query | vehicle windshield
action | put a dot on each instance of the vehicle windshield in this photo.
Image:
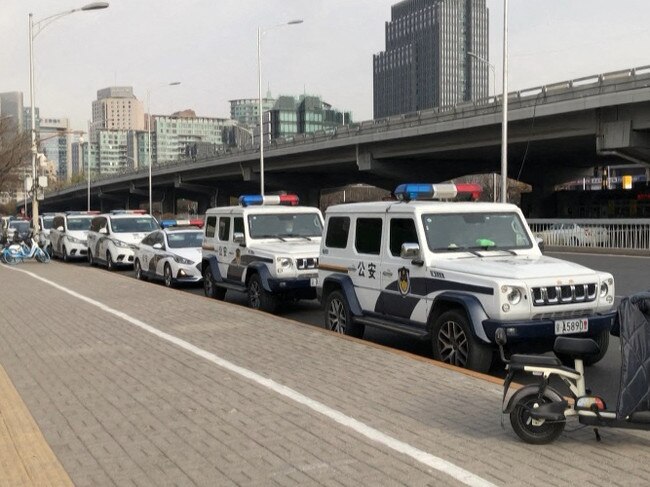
(79, 223)
(183, 240)
(47, 222)
(134, 225)
(271, 225)
(21, 226)
(475, 231)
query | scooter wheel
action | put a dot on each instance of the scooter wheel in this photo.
(528, 429)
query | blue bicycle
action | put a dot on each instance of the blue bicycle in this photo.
(13, 254)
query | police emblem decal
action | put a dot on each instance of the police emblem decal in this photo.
(403, 281)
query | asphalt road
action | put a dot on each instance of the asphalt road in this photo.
(630, 275)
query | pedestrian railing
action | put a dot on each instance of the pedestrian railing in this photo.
(615, 234)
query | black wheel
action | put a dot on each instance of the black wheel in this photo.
(338, 317)
(169, 279)
(603, 342)
(66, 257)
(138, 270)
(259, 298)
(110, 265)
(530, 430)
(453, 343)
(210, 288)
(91, 260)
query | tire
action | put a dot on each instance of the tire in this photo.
(9, 258)
(259, 298)
(454, 344)
(167, 276)
(137, 268)
(65, 256)
(603, 342)
(110, 265)
(338, 317)
(42, 256)
(210, 288)
(522, 423)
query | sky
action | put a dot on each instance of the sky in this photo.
(210, 47)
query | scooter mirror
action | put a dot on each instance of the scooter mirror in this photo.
(500, 337)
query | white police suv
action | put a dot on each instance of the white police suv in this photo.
(45, 222)
(172, 254)
(113, 237)
(69, 234)
(453, 273)
(266, 247)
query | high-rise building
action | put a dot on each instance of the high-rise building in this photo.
(117, 108)
(436, 55)
(55, 143)
(246, 110)
(12, 109)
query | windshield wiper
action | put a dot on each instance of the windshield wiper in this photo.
(461, 249)
(270, 236)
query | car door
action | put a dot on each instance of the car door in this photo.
(158, 253)
(56, 234)
(235, 254)
(363, 266)
(404, 281)
(223, 244)
(145, 252)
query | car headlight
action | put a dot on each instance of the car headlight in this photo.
(604, 289)
(284, 262)
(513, 294)
(75, 240)
(182, 260)
(119, 243)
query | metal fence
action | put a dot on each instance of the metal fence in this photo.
(611, 234)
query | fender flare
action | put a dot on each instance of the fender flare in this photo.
(344, 283)
(473, 308)
(214, 267)
(549, 392)
(263, 271)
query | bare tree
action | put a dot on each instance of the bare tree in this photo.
(15, 148)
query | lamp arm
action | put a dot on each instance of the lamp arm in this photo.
(41, 24)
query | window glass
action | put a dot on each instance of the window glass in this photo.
(133, 225)
(285, 225)
(368, 236)
(79, 223)
(338, 230)
(210, 225)
(402, 230)
(224, 228)
(184, 240)
(238, 225)
(149, 239)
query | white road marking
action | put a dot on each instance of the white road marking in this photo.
(437, 463)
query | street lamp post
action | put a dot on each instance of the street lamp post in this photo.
(36, 28)
(504, 121)
(490, 65)
(173, 83)
(260, 33)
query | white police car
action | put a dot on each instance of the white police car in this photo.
(172, 254)
(113, 237)
(69, 234)
(45, 222)
(453, 273)
(266, 247)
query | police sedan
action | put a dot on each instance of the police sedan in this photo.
(172, 255)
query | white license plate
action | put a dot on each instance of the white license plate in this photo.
(576, 325)
(313, 281)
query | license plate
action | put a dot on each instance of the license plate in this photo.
(576, 325)
(313, 281)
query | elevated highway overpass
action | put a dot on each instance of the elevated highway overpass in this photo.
(557, 133)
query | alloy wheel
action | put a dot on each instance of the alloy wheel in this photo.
(453, 344)
(336, 318)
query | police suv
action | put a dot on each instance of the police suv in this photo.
(453, 273)
(113, 237)
(266, 247)
(69, 234)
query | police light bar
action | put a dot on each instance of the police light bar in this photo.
(258, 199)
(128, 212)
(181, 223)
(92, 212)
(409, 192)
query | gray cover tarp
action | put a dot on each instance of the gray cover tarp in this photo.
(633, 327)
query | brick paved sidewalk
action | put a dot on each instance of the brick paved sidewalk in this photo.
(120, 406)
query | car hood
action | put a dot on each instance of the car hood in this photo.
(514, 267)
(80, 234)
(190, 253)
(290, 248)
(130, 238)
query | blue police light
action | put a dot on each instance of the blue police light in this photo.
(167, 223)
(251, 199)
(409, 192)
(257, 199)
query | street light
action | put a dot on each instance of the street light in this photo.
(490, 65)
(173, 83)
(504, 121)
(36, 28)
(260, 33)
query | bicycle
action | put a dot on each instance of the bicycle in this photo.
(20, 252)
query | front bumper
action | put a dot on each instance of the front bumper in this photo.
(76, 250)
(188, 273)
(539, 335)
(298, 287)
(123, 256)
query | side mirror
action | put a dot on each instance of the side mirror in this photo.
(540, 243)
(157, 246)
(239, 238)
(103, 231)
(60, 229)
(409, 251)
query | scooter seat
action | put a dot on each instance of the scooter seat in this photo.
(543, 360)
(576, 347)
(640, 417)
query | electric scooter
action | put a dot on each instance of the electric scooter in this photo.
(538, 412)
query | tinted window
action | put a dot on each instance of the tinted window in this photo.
(210, 225)
(288, 225)
(78, 223)
(47, 222)
(58, 222)
(149, 239)
(184, 240)
(224, 228)
(133, 225)
(368, 236)
(402, 230)
(238, 226)
(338, 230)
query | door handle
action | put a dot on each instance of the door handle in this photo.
(387, 273)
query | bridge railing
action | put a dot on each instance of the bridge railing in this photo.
(609, 234)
